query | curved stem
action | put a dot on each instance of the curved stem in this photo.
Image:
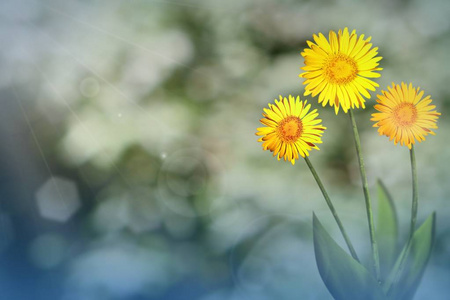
(375, 256)
(332, 209)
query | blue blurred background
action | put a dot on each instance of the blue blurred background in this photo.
(129, 168)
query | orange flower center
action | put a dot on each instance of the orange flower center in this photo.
(290, 129)
(340, 69)
(405, 114)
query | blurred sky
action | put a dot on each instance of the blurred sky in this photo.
(129, 165)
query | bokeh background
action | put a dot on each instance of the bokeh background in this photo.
(129, 165)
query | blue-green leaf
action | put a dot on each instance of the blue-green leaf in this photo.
(416, 261)
(386, 231)
(344, 277)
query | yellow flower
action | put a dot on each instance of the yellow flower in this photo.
(337, 69)
(403, 115)
(291, 129)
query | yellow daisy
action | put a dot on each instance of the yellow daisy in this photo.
(403, 115)
(337, 69)
(291, 129)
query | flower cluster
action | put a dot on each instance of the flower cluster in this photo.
(338, 71)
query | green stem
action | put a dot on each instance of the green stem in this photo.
(415, 201)
(375, 256)
(332, 209)
(415, 198)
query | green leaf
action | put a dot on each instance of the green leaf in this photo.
(344, 277)
(386, 231)
(416, 261)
